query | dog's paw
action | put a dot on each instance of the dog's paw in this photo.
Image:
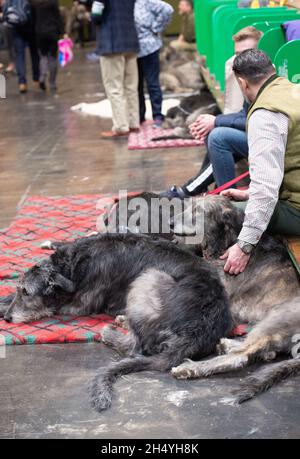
(107, 334)
(93, 233)
(229, 401)
(269, 356)
(46, 245)
(187, 370)
(121, 321)
(226, 346)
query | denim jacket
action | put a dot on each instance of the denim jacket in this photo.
(151, 18)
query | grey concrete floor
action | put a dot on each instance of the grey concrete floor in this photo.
(46, 149)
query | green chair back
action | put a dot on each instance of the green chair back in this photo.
(272, 41)
(287, 62)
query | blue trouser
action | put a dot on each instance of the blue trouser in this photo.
(23, 38)
(225, 146)
(149, 68)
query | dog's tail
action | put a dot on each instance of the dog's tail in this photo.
(264, 379)
(101, 388)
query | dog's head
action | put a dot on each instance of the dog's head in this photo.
(174, 118)
(214, 222)
(37, 293)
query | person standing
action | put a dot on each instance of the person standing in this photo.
(118, 51)
(22, 23)
(151, 18)
(187, 39)
(48, 28)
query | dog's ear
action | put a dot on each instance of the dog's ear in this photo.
(65, 284)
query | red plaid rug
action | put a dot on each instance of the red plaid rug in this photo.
(143, 139)
(55, 219)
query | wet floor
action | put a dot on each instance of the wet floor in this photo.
(46, 149)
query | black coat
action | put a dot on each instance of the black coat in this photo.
(47, 18)
(117, 30)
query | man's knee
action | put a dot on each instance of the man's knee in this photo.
(218, 136)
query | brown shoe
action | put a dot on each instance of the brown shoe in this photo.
(114, 135)
(23, 88)
(134, 130)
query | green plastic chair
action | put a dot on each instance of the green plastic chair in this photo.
(272, 41)
(266, 25)
(287, 62)
(244, 21)
(203, 21)
(224, 20)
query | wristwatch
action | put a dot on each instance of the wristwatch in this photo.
(245, 247)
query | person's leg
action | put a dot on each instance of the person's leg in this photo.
(226, 146)
(20, 46)
(34, 54)
(52, 59)
(200, 182)
(151, 72)
(285, 220)
(142, 103)
(131, 81)
(44, 69)
(10, 47)
(113, 70)
(183, 45)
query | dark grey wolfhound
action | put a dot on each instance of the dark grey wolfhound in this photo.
(266, 295)
(175, 304)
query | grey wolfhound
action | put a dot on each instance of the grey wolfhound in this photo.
(175, 304)
(266, 295)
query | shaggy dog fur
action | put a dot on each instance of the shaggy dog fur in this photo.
(266, 295)
(190, 108)
(180, 71)
(175, 304)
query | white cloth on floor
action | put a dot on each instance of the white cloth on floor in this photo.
(103, 108)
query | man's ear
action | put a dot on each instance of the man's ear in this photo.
(65, 284)
(243, 83)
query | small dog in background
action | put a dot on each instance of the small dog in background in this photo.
(190, 108)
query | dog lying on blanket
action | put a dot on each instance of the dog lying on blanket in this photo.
(190, 108)
(266, 295)
(175, 304)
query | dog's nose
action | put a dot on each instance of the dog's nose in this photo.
(8, 318)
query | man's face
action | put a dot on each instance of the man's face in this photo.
(184, 7)
(241, 46)
(249, 43)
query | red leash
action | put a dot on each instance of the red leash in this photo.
(228, 184)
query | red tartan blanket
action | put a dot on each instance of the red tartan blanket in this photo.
(57, 219)
(44, 218)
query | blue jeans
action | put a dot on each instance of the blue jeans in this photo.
(23, 38)
(149, 68)
(225, 147)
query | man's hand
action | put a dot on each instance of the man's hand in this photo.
(236, 195)
(237, 260)
(202, 126)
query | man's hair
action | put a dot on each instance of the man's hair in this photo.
(246, 33)
(253, 65)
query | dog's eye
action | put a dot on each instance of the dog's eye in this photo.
(24, 292)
